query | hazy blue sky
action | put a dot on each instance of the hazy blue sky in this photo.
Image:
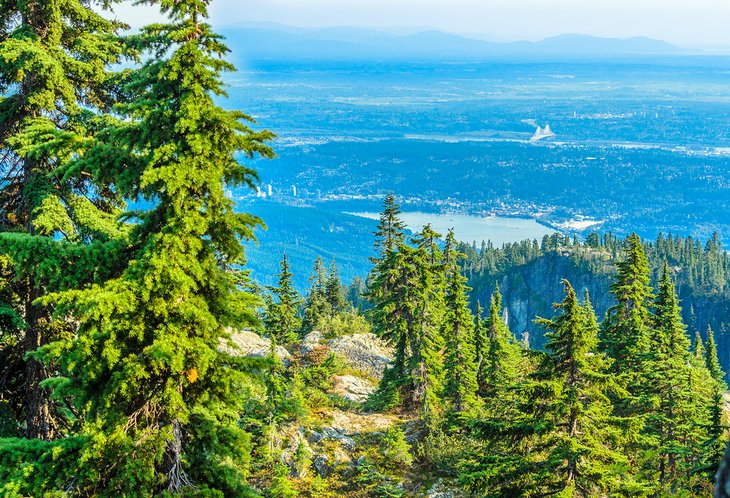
(690, 23)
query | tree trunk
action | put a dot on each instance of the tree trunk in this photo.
(38, 409)
(172, 468)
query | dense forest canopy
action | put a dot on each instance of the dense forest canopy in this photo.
(137, 357)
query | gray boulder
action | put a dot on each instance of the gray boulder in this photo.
(322, 465)
(310, 342)
(364, 352)
(332, 434)
(352, 388)
(248, 343)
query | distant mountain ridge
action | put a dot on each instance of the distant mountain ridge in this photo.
(271, 41)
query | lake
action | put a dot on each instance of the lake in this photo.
(468, 228)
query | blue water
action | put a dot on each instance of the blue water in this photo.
(469, 228)
(641, 145)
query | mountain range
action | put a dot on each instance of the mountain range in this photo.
(280, 42)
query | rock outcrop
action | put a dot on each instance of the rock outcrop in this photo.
(312, 340)
(364, 352)
(352, 388)
(352, 424)
(248, 343)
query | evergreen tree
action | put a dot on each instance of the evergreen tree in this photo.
(711, 361)
(392, 316)
(570, 394)
(714, 445)
(699, 349)
(625, 337)
(503, 356)
(481, 346)
(389, 236)
(458, 330)
(162, 399)
(409, 316)
(625, 334)
(281, 318)
(316, 305)
(671, 421)
(426, 360)
(333, 290)
(54, 80)
(390, 232)
(356, 294)
(451, 254)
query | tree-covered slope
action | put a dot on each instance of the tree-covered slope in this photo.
(529, 274)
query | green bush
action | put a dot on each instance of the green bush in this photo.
(395, 449)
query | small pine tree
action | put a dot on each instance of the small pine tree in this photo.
(625, 334)
(281, 318)
(503, 358)
(715, 440)
(333, 290)
(316, 305)
(481, 347)
(458, 329)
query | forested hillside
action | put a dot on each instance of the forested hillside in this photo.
(528, 273)
(138, 358)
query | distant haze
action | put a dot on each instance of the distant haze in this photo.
(691, 24)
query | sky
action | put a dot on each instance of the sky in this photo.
(687, 23)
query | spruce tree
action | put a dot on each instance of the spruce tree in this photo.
(389, 237)
(451, 254)
(481, 346)
(713, 446)
(458, 330)
(393, 313)
(671, 421)
(577, 433)
(54, 80)
(333, 290)
(711, 360)
(426, 360)
(409, 316)
(625, 337)
(316, 305)
(426, 341)
(503, 357)
(162, 398)
(390, 232)
(699, 349)
(625, 334)
(281, 318)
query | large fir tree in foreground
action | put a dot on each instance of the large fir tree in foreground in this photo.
(163, 400)
(54, 78)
